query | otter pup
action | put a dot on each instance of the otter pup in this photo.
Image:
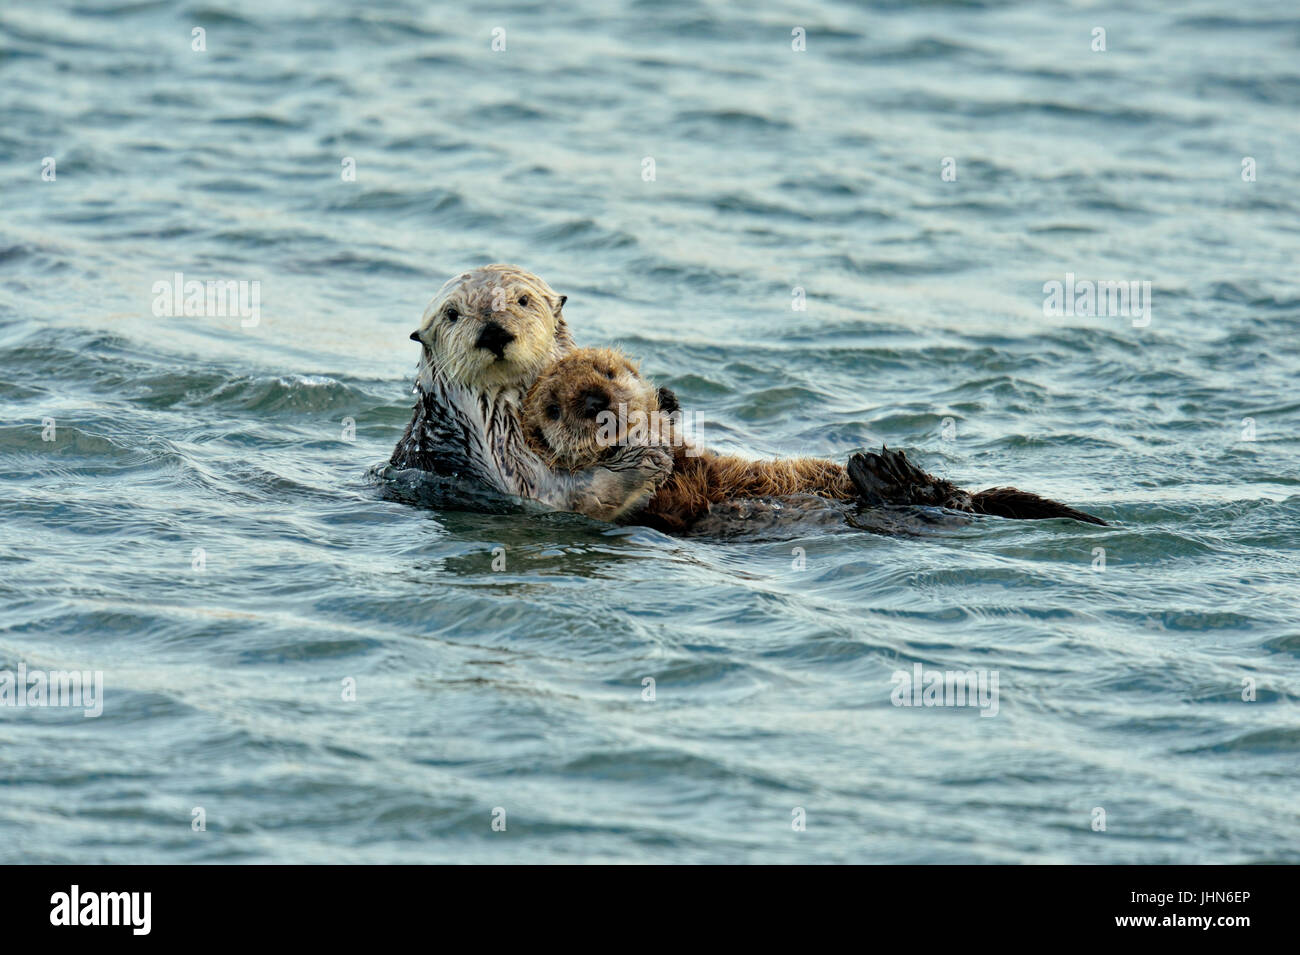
(592, 400)
(484, 338)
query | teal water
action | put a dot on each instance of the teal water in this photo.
(201, 528)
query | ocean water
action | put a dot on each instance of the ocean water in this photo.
(185, 506)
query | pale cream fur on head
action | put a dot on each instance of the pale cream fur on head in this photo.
(521, 305)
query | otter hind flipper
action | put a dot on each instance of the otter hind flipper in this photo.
(872, 479)
(668, 402)
(1023, 506)
(889, 478)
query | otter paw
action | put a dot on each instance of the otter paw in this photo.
(640, 470)
(647, 464)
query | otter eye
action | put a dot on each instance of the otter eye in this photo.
(523, 300)
(452, 313)
(609, 373)
(553, 412)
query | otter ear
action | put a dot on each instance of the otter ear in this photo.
(563, 299)
(415, 337)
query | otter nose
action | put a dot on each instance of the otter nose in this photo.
(495, 339)
(594, 401)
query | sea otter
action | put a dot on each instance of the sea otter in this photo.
(485, 337)
(589, 402)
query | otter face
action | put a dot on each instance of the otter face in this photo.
(579, 406)
(497, 326)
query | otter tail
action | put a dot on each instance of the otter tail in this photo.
(889, 478)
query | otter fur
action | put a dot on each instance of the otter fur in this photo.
(484, 338)
(591, 401)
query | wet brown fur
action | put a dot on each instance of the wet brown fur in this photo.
(699, 482)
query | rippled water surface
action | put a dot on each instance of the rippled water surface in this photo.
(202, 530)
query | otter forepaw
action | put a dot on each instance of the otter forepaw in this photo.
(640, 470)
(646, 464)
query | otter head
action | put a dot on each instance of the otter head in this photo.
(496, 326)
(585, 403)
